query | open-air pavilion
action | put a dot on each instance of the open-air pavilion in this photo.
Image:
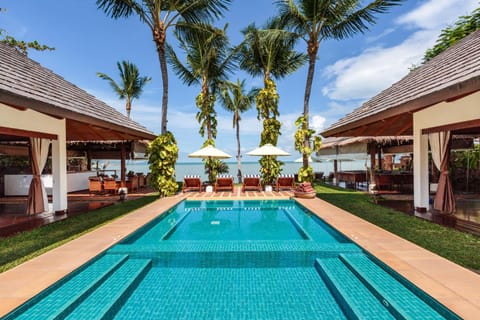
(432, 103)
(40, 108)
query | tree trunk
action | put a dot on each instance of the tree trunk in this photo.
(239, 156)
(128, 107)
(159, 35)
(312, 55)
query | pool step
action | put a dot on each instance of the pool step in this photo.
(400, 300)
(60, 299)
(352, 295)
(102, 303)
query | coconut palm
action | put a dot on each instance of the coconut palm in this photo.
(270, 53)
(209, 59)
(234, 98)
(131, 85)
(317, 20)
(159, 16)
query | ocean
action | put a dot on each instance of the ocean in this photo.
(252, 167)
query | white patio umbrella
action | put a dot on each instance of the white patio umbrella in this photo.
(268, 150)
(209, 152)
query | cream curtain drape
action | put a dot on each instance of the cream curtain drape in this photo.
(37, 195)
(440, 148)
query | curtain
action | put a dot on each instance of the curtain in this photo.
(37, 195)
(440, 147)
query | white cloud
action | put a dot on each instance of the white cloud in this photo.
(317, 123)
(385, 33)
(436, 14)
(365, 75)
(375, 69)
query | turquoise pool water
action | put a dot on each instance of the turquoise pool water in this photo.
(234, 260)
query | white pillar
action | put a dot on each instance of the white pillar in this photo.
(59, 171)
(420, 167)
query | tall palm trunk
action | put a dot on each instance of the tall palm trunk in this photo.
(239, 156)
(128, 106)
(312, 56)
(159, 34)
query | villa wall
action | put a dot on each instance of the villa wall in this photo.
(444, 113)
(30, 120)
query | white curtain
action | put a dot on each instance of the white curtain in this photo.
(37, 197)
(440, 148)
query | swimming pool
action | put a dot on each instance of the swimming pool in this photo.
(234, 260)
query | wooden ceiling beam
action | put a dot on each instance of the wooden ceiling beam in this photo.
(27, 133)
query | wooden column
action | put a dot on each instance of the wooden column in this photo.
(373, 151)
(335, 170)
(89, 159)
(123, 169)
(379, 154)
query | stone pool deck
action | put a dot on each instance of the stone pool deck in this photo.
(452, 285)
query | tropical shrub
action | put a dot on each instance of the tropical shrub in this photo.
(162, 156)
(303, 144)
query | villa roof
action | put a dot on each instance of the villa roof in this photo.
(24, 83)
(450, 75)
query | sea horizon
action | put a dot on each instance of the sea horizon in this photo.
(183, 169)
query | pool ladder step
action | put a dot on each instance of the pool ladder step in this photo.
(350, 291)
(58, 300)
(398, 298)
(355, 280)
(112, 293)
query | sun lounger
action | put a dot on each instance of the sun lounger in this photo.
(192, 183)
(224, 183)
(251, 183)
(286, 182)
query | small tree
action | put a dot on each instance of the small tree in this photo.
(131, 85)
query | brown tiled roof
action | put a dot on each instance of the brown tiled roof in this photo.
(25, 83)
(453, 73)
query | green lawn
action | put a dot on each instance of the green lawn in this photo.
(459, 247)
(29, 244)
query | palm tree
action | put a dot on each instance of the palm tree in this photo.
(270, 53)
(317, 20)
(159, 16)
(209, 59)
(131, 85)
(234, 98)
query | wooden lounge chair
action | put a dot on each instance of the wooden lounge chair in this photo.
(224, 184)
(192, 183)
(110, 185)
(132, 183)
(94, 185)
(286, 183)
(251, 183)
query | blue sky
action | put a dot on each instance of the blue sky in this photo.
(348, 72)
